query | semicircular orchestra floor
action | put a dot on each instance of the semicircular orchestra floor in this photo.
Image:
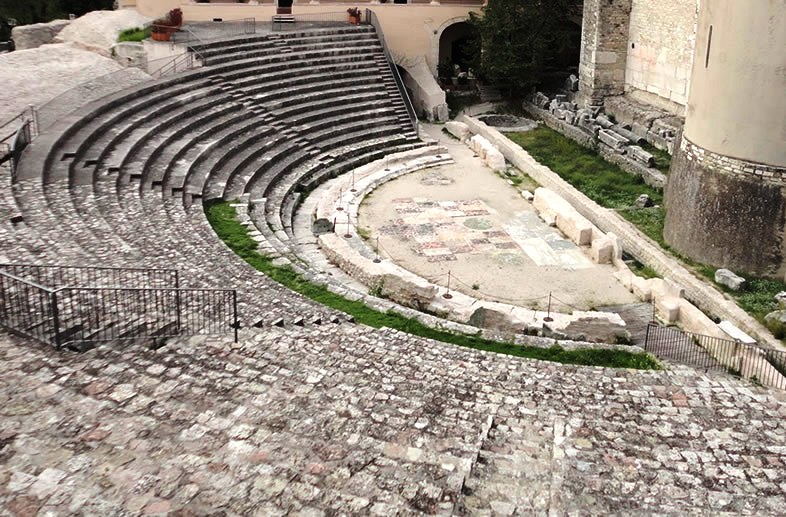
(465, 219)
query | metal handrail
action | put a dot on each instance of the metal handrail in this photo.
(85, 315)
(187, 56)
(58, 276)
(28, 282)
(371, 18)
(331, 18)
(766, 366)
(112, 268)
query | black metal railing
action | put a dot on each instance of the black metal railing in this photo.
(99, 314)
(762, 365)
(26, 308)
(309, 20)
(200, 32)
(77, 307)
(371, 18)
(184, 62)
(15, 134)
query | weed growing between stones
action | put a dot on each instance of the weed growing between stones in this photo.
(224, 221)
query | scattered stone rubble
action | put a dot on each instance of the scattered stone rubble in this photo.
(729, 279)
(490, 155)
(623, 140)
(487, 152)
(617, 136)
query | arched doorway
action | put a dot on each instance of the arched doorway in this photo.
(452, 46)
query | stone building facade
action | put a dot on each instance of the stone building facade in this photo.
(713, 73)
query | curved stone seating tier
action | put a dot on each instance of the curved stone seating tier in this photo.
(234, 49)
(104, 192)
(281, 196)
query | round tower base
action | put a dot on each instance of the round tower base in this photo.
(725, 212)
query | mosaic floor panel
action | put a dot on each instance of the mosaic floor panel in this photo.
(440, 231)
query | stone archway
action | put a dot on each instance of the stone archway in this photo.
(437, 41)
(452, 41)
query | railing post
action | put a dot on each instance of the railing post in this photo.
(647, 336)
(236, 323)
(177, 301)
(55, 318)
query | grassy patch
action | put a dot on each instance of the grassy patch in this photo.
(649, 220)
(223, 219)
(135, 34)
(601, 181)
(641, 270)
(662, 158)
(757, 298)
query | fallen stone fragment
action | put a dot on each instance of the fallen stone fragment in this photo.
(729, 279)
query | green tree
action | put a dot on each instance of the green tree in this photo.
(515, 40)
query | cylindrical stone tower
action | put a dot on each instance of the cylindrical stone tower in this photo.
(726, 192)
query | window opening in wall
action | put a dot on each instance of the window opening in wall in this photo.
(709, 46)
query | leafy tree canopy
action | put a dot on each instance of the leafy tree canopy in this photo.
(515, 40)
(37, 11)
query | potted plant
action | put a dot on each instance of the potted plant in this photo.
(161, 30)
(175, 17)
(354, 15)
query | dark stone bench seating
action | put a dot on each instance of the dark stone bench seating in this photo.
(121, 182)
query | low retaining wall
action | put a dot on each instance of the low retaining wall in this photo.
(651, 177)
(637, 244)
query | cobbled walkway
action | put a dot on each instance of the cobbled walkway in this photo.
(346, 420)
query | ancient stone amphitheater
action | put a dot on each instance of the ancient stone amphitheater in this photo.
(309, 413)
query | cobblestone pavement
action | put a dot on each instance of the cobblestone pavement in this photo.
(346, 420)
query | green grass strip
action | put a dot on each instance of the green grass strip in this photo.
(601, 181)
(223, 219)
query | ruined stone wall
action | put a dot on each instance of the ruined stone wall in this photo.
(604, 42)
(697, 292)
(661, 43)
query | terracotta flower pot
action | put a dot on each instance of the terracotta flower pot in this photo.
(161, 36)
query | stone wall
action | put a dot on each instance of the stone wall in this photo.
(661, 42)
(604, 42)
(637, 244)
(725, 212)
